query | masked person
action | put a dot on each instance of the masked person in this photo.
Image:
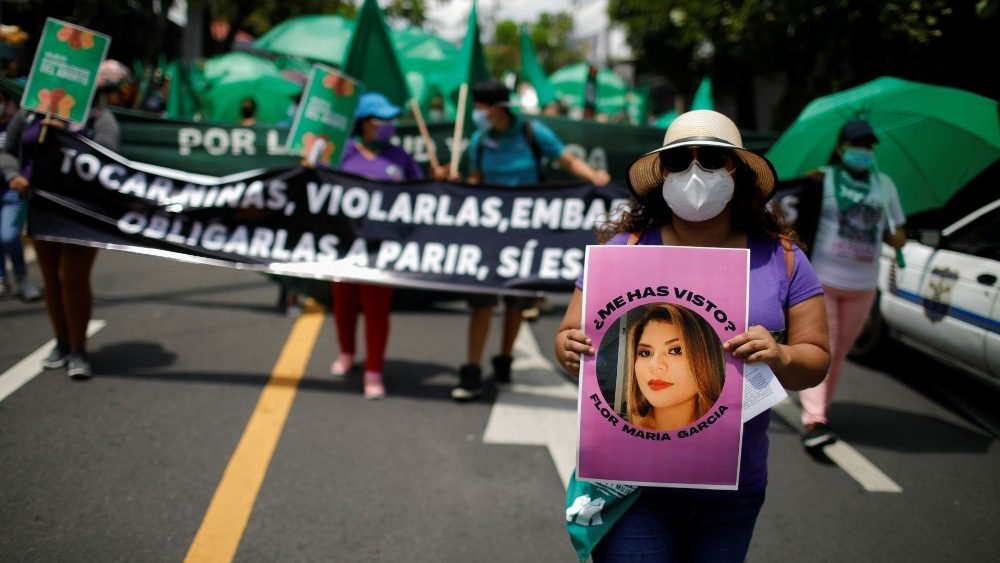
(370, 154)
(506, 150)
(13, 209)
(860, 210)
(703, 189)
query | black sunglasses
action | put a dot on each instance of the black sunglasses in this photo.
(679, 159)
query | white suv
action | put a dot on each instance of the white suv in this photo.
(945, 301)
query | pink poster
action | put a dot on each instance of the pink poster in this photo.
(660, 401)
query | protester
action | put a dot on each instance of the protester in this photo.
(860, 209)
(703, 189)
(369, 154)
(676, 368)
(506, 149)
(12, 213)
(65, 267)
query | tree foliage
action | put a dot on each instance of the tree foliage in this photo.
(815, 46)
(550, 35)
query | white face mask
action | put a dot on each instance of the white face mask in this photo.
(697, 194)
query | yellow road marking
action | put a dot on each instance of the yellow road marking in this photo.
(226, 519)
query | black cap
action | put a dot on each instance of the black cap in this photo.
(857, 129)
(490, 92)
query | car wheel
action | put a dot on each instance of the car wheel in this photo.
(872, 337)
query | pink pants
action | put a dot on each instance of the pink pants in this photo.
(847, 312)
(350, 299)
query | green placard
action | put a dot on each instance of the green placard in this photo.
(326, 112)
(64, 74)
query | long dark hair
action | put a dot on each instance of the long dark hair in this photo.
(751, 212)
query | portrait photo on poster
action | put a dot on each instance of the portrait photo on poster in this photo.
(661, 366)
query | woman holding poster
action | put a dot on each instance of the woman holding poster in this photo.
(702, 190)
(370, 154)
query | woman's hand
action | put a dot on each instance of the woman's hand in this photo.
(757, 345)
(19, 184)
(574, 345)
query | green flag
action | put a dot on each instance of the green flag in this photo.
(703, 96)
(182, 102)
(471, 65)
(638, 104)
(371, 57)
(532, 72)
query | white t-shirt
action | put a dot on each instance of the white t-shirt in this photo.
(845, 252)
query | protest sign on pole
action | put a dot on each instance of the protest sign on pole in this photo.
(660, 401)
(326, 113)
(63, 76)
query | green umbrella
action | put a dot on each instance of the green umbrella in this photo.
(570, 82)
(234, 76)
(932, 139)
(320, 38)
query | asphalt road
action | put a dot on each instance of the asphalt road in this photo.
(130, 465)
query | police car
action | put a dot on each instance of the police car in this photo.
(945, 300)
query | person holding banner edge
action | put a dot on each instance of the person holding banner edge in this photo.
(370, 154)
(703, 188)
(65, 267)
(860, 209)
(507, 150)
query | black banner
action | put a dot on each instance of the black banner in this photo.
(320, 223)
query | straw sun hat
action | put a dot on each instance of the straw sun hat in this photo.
(702, 128)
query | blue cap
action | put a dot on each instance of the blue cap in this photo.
(373, 104)
(857, 129)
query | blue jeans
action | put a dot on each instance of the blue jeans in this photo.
(676, 526)
(11, 223)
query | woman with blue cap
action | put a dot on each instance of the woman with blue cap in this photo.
(860, 209)
(370, 154)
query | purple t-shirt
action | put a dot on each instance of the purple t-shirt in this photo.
(771, 291)
(391, 163)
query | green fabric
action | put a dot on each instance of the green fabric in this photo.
(847, 190)
(470, 66)
(428, 62)
(665, 119)
(592, 510)
(319, 38)
(570, 82)
(932, 140)
(703, 95)
(371, 57)
(182, 100)
(532, 72)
